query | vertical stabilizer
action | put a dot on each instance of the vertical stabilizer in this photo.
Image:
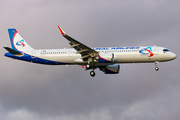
(17, 42)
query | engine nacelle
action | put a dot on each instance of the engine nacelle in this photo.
(111, 69)
(106, 58)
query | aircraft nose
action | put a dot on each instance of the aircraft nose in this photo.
(173, 56)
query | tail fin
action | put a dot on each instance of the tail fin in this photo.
(17, 42)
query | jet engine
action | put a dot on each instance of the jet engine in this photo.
(110, 69)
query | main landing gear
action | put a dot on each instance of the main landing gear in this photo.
(92, 73)
(88, 66)
(156, 67)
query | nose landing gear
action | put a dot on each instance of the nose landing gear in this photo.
(156, 66)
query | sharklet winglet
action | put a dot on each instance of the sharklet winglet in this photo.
(62, 32)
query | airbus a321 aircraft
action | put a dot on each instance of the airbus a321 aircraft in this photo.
(104, 58)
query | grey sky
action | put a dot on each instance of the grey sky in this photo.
(33, 92)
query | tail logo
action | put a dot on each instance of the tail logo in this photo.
(146, 51)
(20, 43)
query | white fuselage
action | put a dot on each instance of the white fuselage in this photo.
(122, 54)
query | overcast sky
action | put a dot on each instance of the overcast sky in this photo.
(35, 92)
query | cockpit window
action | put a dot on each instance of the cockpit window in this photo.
(165, 50)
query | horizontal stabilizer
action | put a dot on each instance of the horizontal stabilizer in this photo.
(12, 51)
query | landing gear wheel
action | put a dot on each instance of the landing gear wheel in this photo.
(156, 68)
(88, 66)
(92, 73)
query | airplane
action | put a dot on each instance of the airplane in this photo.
(107, 59)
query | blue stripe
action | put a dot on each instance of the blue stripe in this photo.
(28, 58)
(11, 34)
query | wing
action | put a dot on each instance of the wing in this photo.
(84, 50)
